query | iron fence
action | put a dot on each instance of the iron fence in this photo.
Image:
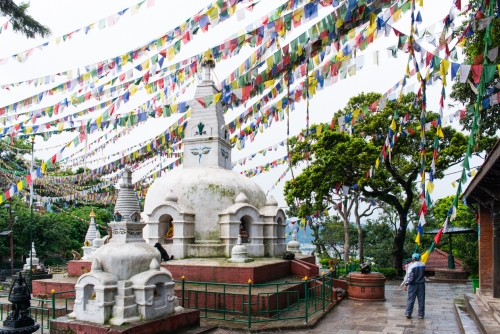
(257, 303)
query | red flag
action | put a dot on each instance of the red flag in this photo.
(476, 73)
(201, 101)
(437, 238)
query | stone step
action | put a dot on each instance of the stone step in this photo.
(465, 322)
(484, 319)
(492, 304)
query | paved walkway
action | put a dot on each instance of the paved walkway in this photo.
(389, 316)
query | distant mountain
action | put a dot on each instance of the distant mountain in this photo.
(302, 237)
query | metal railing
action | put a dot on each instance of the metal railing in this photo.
(43, 312)
(257, 303)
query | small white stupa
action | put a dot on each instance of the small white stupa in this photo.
(33, 261)
(293, 245)
(91, 235)
(126, 282)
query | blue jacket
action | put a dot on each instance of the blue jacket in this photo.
(415, 273)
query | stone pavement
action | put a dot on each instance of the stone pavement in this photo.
(389, 316)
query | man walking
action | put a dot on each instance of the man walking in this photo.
(415, 284)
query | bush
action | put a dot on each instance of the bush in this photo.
(389, 273)
(324, 261)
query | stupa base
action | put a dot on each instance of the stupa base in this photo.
(231, 260)
(168, 324)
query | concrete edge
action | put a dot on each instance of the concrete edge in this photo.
(472, 313)
(309, 325)
(466, 323)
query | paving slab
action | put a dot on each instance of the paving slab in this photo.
(354, 317)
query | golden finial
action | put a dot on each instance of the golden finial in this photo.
(249, 281)
(92, 214)
(183, 277)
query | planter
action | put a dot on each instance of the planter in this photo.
(366, 287)
(475, 284)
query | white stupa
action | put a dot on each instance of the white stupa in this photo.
(199, 202)
(126, 282)
(91, 235)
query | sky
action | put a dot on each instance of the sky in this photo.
(150, 22)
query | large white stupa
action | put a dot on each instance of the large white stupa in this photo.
(200, 210)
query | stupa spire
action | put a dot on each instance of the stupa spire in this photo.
(207, 140)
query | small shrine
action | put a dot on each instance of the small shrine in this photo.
(31, 261)
(126, 283)
(92, 234)
(202, 209)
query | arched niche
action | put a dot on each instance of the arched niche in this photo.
(89, 298)
(166, 228)
(245, 226)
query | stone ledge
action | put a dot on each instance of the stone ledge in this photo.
(484, 319)
(465, 321)
(169, 324)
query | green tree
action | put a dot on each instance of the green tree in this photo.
(465, 246)
(474, 55)
(339, 158)
(333, 236)
(21, 21)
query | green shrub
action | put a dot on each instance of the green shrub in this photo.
(389, 273)
(324, 261)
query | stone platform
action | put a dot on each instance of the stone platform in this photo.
(59, 284)
(169, 324)
(449, 275)
(261, 270)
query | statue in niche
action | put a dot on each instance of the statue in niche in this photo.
(243, 234)
(170, 232)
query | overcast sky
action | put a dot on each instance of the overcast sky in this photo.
(149, 23)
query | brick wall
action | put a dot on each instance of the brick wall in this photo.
(237, 275)
(75, 267)
(485, 248)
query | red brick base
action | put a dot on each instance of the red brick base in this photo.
(75, 267)
(170, 324)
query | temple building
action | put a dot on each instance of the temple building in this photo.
(483, 191)
(200, 210)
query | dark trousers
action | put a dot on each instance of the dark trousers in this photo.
(416, 291)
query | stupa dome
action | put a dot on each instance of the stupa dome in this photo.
(206, 191)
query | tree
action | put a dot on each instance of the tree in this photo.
(21, 21)
(465, 246)
(474, 55)
(318, 185)
(339, 158)
(333, 236)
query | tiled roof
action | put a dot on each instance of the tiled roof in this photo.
(439, 260)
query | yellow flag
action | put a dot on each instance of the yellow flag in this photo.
(20, 185)
(393, 125)
(430, 187)
(417, 239)
(439, 131)
(133, 89)
(377, 163)
(44, 166)
(424, 257)
(319, 129)
(217, 97)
